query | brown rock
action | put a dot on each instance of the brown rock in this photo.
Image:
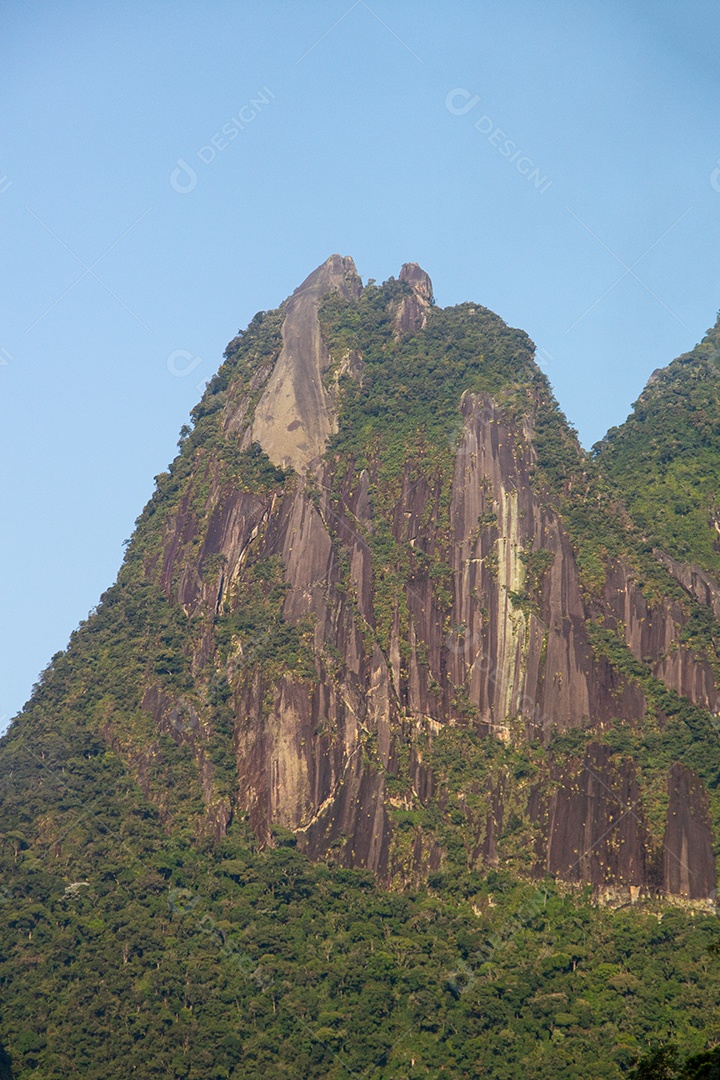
(689, 864)
(411, 315)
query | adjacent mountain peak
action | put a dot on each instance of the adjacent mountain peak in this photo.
(666, 456)
(413, 308)
(414, 274)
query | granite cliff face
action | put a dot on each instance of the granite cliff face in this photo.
(488, 628)
(295, 414)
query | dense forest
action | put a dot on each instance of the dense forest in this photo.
(665, 459)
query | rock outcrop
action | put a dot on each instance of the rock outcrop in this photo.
(593, 829)
(411, 315)
(693, 579)
(294, 416)
(689, 863)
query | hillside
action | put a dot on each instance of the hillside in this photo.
(665, 458)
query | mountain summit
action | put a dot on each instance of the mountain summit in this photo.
(295, 415)
(384, 610)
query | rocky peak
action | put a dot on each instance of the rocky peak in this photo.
(412, 311)
(414, 275)
(295, 416)
(338, 273)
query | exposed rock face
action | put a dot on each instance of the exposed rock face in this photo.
(689, 864)
(594, 830)
(654, 633)
(526, 666)
(294, 415)
(694, 580)
(513, 634)
(412, 311)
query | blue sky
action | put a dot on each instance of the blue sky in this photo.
(558, 162)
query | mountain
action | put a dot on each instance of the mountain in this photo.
(394, 749)
(665, 460)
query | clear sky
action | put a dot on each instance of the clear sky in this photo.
(557, 161)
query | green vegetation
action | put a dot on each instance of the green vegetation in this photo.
(665, 1063)
(665, 458)
(253, 622)
(673, 730)
(196, 959)
(414, 385)
(537, 563)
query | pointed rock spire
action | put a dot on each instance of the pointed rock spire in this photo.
(294, 416)
(412, 310)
